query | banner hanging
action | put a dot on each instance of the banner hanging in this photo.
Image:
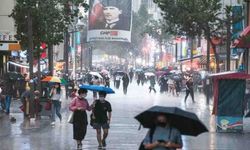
(110, 20)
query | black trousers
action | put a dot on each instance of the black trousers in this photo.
(80, 123)
(191, 92)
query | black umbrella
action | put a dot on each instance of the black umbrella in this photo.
(186, 122)
(176, 77)
(14, 76)
(119, 73)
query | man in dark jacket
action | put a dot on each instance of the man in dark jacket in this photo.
(125, 80)
(189, 88)
(8, 92)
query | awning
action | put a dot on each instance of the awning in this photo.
(185, 59)
(18, 64)
(244, 40)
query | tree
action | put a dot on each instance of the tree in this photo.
(49, 19)
(157, 30)
(193, 18)
(139, 23)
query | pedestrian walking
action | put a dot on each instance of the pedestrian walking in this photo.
(189, 88)
(101, 118)
(107, 80)
(163, 84)
(163, 136)
(178, 87)
(152, 84)
(125, 82)
(95, 81)
(171, 85)
(27, 103)
(73, 94)
(8, 92)
(131, 75)
(55, 95)
(79, 105)
(117, 81)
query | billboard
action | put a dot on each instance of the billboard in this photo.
(110, 20)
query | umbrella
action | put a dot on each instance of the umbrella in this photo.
(138, 70)
(97, 88)
(54, 79)
(14, 76)
(105, 72)
(176, 77)
(96, 74)
(186, 122)
(120, 73)
(149, 74)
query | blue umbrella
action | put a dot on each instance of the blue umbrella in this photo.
(97, 88)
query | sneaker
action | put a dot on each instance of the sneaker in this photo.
(104, 143)
(53, 123)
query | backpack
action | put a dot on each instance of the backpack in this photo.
(151, 133)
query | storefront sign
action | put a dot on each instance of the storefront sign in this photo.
(7, 37)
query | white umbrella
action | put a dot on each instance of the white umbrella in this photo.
(96, 74)
(105, 72)
(149, 74)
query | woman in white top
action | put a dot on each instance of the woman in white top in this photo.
(55, 95)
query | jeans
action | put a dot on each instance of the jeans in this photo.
(7, 103)
(191, 92)
(56, 107)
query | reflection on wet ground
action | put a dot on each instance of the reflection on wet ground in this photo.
(124, 134)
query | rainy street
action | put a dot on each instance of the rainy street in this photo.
(124, 134)
(124, 74)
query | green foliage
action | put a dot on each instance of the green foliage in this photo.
(157, 30)
(192, 17)
(50, 19)
(139, 24)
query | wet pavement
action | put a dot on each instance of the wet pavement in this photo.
(124, 133)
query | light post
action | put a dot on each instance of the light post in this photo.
(160, 45)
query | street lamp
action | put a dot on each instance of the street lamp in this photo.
(160, 44)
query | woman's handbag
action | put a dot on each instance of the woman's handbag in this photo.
(70, 119)
(48, 105)
(22, 108)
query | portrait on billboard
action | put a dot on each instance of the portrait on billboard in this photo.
(110, 15)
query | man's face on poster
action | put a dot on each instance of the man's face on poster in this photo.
(111, 13)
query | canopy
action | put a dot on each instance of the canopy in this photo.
(244, 40)
(230, 75)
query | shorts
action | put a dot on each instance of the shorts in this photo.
(100, 125)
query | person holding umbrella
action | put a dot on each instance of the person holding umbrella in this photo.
(55, 95)
(189, 88)
(101, 117)
(152, 84)
(166, 125)
(79, 105)
(125, 83)
(164, 137)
